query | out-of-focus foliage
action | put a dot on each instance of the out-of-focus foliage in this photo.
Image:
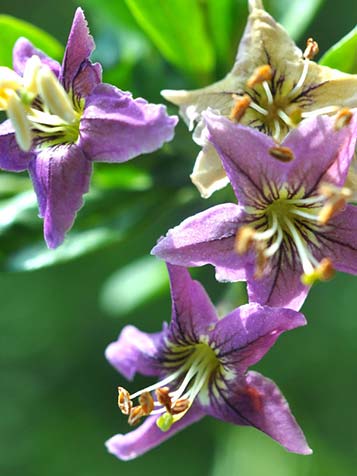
(343, 55)
(12, 28)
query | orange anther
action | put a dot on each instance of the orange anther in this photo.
(239, 108)
(284, 154)
(260, 74)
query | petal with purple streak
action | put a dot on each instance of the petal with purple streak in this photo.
(245, 335)
(192, 310)
(207, 238)
(136, 351)
(116, 128)
(24, 50)
(258, 402)
(60, 176)
(12, 158)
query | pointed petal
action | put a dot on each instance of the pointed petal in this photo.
(76, 62)
(12, 158)
(281, 286)
(192, 310)
(245, 335)
(206, 238)
(340, 241)
(256, 401)
(60, 176)
(23, 50)
(148, 435)
(116, 128)
(321, 154)
(136, 352)
(208, 173)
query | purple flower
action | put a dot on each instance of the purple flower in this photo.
(292, 225)
(201, 362)
(62, 118)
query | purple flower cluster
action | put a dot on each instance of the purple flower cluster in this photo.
(292, 224)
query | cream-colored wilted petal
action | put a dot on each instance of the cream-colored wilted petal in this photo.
(293, 87)
(208, 173)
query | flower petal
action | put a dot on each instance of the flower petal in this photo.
(206, 238)
(23, 50)
(116, 128)
(12, 158)
(340, 242)
(245, 335)
(60, 176)
(208, 173)
(192, 310)
(256, 401)
(135, 351)
(281, 286)
(76, 62)
(148, 435)
(321, 154)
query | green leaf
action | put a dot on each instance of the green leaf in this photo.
(177, 28)
(12, 28)
(343, 55)
(294, 15)
(125, 177)
(133, 285)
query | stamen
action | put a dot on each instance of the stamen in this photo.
(180, 406)
(244, 239)
(260, 74)
(284, 154)
(343, 118)
(32, 68)
(124, 402)
(146, 402)
(54, 95)
(302, 250)
(311, 50)
(258, 108)
(268, 93)
(240, 107)
(17, 114)
(136, 415)
(287, 119)
(336, 201)
(277, 130)
(301, 81)
(323, 272)
(261, 261)
(321, 110)
(164, 398)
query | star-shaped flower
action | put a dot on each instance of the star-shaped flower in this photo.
(292, 225)
(201, 362)
(272, 86)
(62, 118)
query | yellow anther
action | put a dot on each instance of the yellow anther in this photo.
(244, 239)
(284, 154)
(323, 272)
(135, 416)
(165, 421)
(240, 107)
(54, 96)
(343, 118)
(124, 402)
(146, 402)
(330, 209)
(329, 190)
(311, 50)
(17, 114)
(260, 74)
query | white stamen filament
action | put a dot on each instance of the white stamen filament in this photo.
(258, 108)
(265, 235)
(162, 383)
(321, 110)
(274, 247)
(276, 134)
(304, 254)
(268, 92)
(302, 79)
(285, 118)
(308, 216)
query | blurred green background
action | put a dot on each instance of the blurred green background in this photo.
(60, 309)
